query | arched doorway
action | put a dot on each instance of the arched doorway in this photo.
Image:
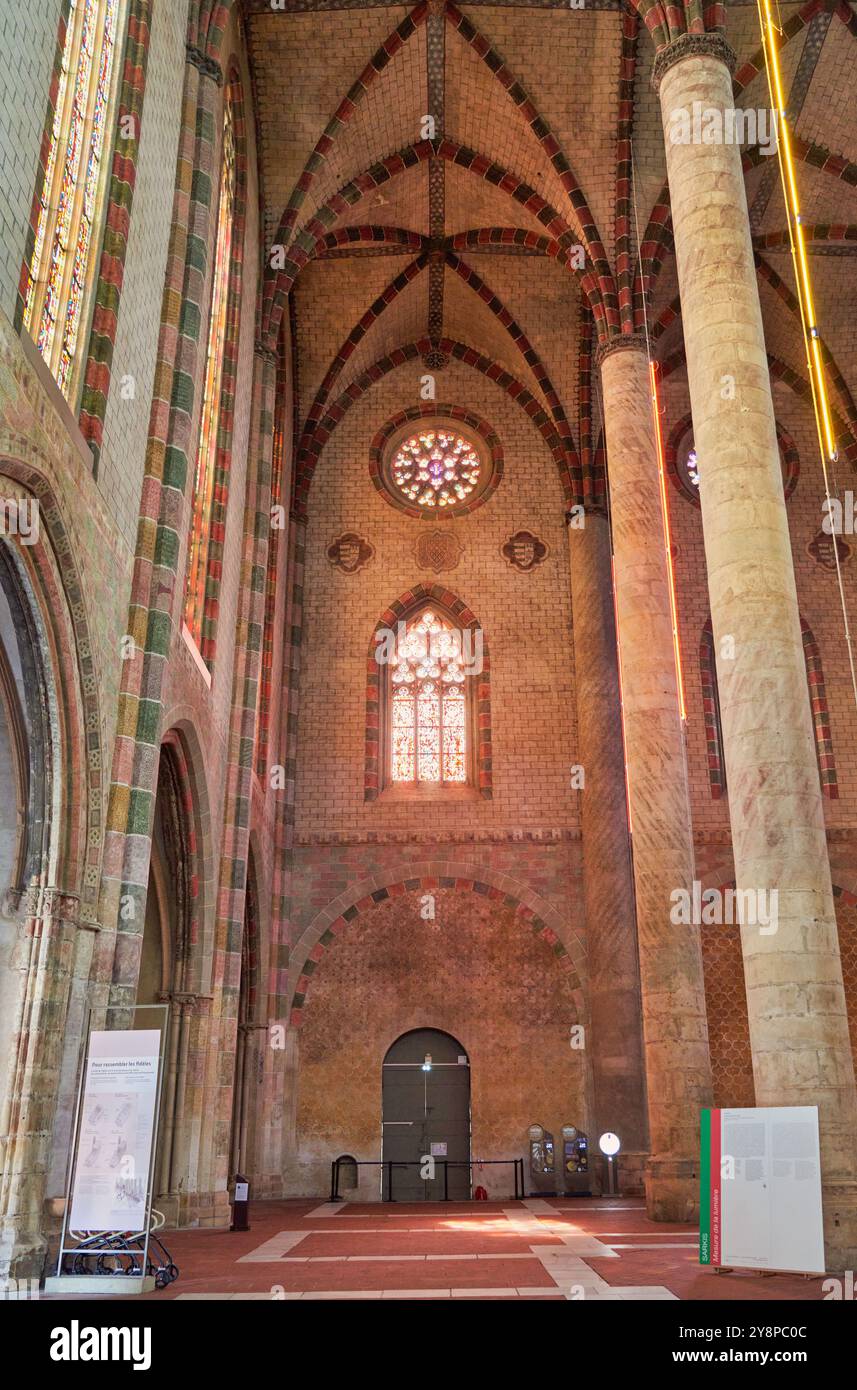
(26, 757)
(425, 1114)
(165, 962)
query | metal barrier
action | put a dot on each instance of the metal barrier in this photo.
(390, 1164)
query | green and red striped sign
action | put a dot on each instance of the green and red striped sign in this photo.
(710, 1193)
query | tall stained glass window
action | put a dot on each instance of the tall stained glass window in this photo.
(206, 456)
(428, 705)
(63, 264)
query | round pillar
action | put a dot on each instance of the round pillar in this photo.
(616, 1048)
(795, 997)
(675, 1032)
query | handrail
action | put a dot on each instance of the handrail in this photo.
(391, 1163)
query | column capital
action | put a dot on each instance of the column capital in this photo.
(268, 354)
(207, 66)
(692, 46)
(590, 508)
(624, 342)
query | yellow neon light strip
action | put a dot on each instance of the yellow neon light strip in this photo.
(824, 423)
(665, 514)
(812, 342)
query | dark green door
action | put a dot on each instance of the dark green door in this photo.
(426, 1117)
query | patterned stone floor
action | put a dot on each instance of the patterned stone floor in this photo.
(597, 1249)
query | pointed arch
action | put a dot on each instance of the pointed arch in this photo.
(532, 911)
(409, 352)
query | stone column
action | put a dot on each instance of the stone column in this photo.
(675, 1033)
(796, 1002)
(616, 1045)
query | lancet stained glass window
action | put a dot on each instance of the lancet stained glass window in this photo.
(428, 705)
(206, 456)
(62, 264)
(436, 468)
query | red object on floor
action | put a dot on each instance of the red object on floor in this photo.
(480, 1195)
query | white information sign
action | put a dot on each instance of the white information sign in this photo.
(117, 1120)
(761, 1189)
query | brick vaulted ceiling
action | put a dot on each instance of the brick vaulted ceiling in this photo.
(456, 239)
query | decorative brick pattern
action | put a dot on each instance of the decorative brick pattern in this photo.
(625, 232)
(155, 568)
(728, 1021)
(525, 917)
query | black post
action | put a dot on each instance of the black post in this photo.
(389, 1180)
(445, 1180)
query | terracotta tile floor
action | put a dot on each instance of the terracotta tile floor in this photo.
(595, 1248)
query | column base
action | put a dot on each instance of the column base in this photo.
(22, 1252)
(839, 1201)
(672, 1189)
(187, 1210)
(632, 1173)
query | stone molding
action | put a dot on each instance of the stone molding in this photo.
(692, 46)
(207, 66)
(310, 840)
(624, 342)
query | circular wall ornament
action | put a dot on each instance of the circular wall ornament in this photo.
(436, 461)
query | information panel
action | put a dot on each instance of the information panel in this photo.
(114, 1142)
(761, 1189)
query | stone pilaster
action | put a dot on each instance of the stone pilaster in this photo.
(44, 954)
(796, 1003)
(675, 1033)
(231, 917)
(615, 1048)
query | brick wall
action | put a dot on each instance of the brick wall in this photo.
(526, 620)
(471, 972)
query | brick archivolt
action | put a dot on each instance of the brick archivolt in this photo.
(533, 913)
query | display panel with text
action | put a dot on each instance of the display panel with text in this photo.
(114, 1142)
(761, 1189)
